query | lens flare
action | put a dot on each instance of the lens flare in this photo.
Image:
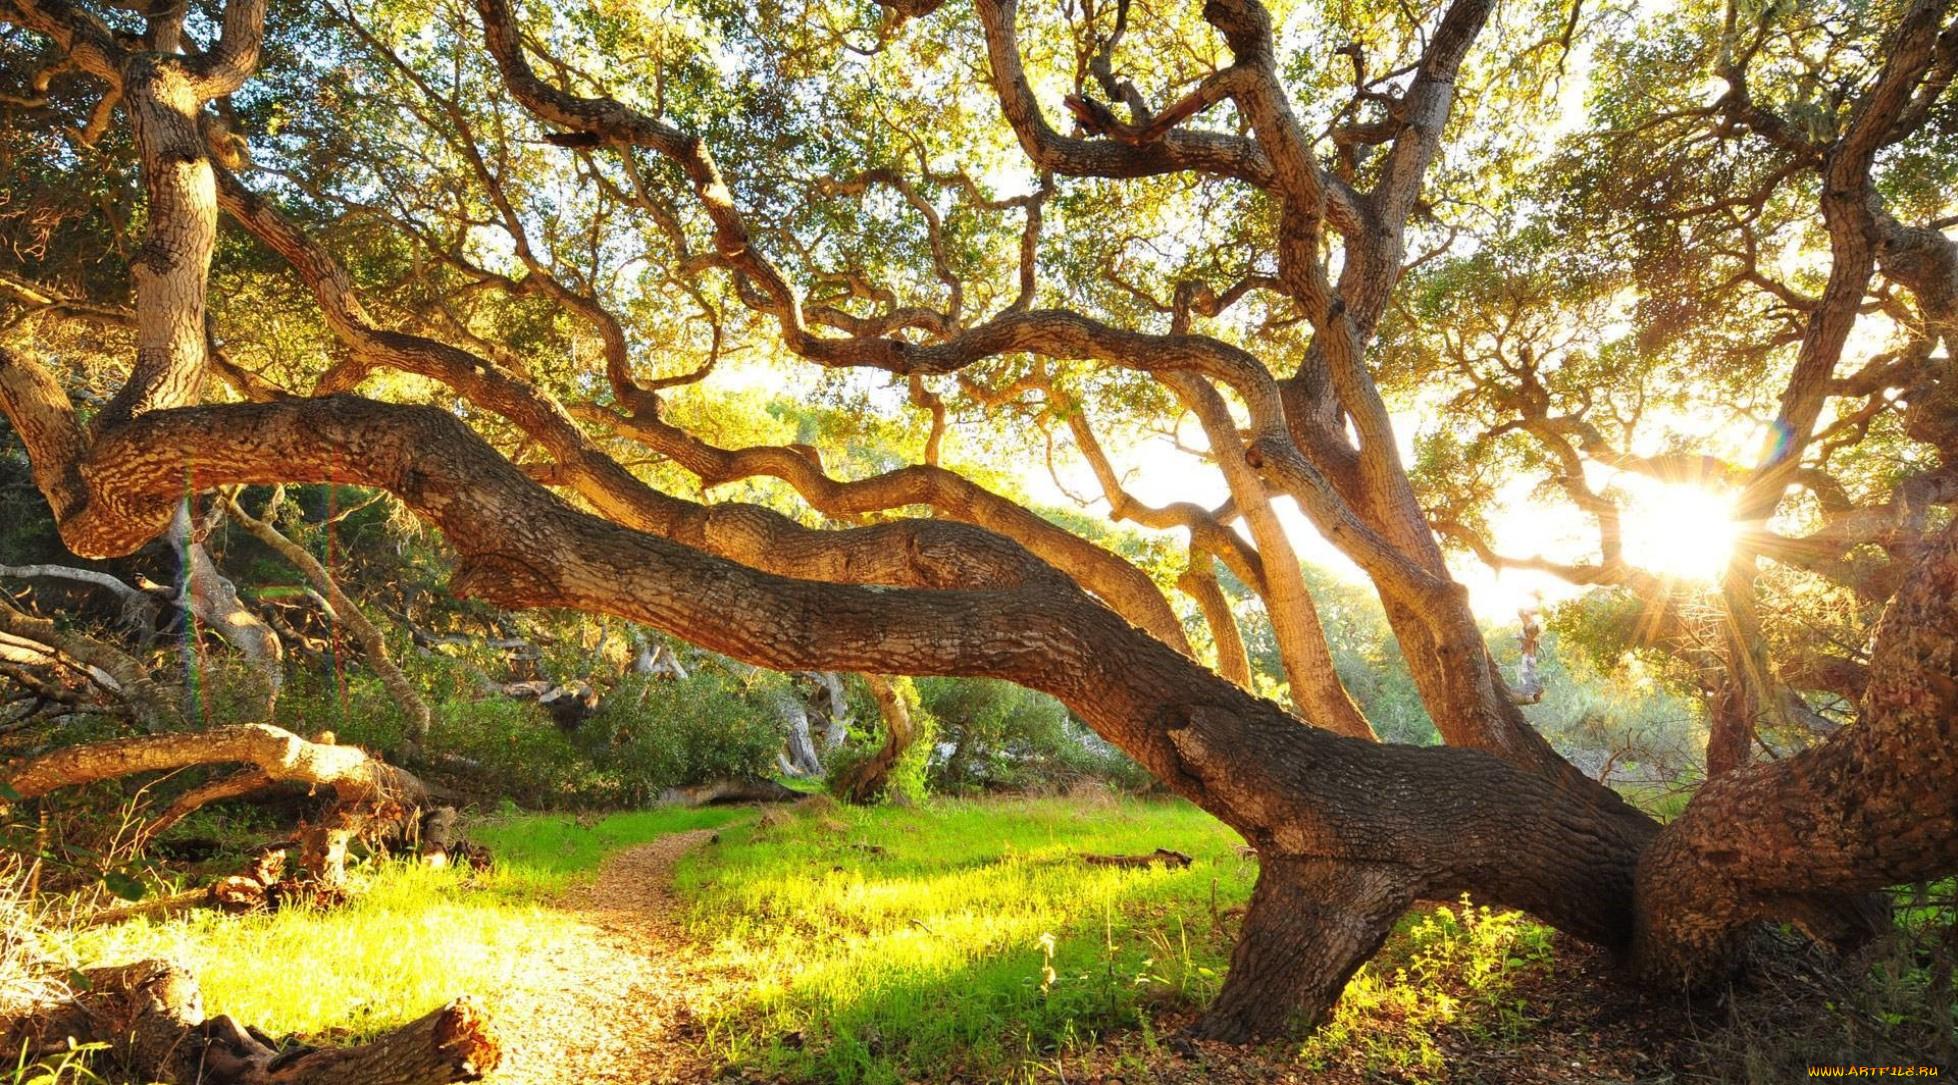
(1680, 531)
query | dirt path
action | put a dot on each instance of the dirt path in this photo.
(609, 1003)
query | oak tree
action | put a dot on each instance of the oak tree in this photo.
(487, 259)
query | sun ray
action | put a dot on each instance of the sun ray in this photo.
(1683, 532)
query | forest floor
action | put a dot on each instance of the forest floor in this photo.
(621, 1002)
(613, 1004)
(622, 997)
(964, 942)
(825, 944)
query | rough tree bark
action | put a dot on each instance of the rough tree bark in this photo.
(1348, 830)
(1451, 820)
(366, 790)
(1872, 806)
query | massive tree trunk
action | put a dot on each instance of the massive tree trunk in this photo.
(1454, 820)
(1311, 924)
(1348, 830)
(1872, 806)
(1446, 820)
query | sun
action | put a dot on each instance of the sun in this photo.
(1681, 531)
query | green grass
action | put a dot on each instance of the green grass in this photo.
(966, 941)
(959, 939)
(547, 846)
(963, 940)
(1448, 969)
(411, 939)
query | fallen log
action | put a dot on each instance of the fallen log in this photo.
(1164, 856)
(347, 770)
(728, 791)
(234, 786)
(150, 1014)
(236, 894)
(367, 791)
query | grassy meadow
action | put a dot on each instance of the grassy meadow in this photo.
(411, 938)
(960, 940)
(967, 941)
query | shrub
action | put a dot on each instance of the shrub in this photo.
(908, 781)
(518, 753)
(651, 734)
(997, 736)
(353, 705)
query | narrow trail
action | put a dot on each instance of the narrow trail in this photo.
(611, 1002)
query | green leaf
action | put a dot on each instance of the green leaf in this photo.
(124, 886)
(7, 792)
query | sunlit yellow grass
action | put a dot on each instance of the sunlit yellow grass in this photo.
(880, 946)
(893, 946)
(411, 939)
(958, 941)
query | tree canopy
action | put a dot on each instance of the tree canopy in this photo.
(752, 321)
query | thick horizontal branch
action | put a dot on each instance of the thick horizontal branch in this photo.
(281, 755)
(1116, 581)
(520, 546)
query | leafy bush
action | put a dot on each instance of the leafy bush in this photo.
(649, 735)
(353, 705)
(517, 752)
(997, 736)
(908, 781)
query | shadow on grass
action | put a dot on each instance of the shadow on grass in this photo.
(957, 940)
(968, 942)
